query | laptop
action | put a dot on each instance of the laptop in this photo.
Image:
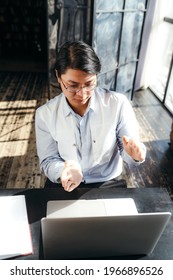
(99, 228)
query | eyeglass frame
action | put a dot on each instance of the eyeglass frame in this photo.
(76, 91)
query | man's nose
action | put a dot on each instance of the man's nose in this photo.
(81, 92)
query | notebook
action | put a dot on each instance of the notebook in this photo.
(99, 228)
(15, 236)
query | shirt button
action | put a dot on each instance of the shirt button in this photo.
(94, 141)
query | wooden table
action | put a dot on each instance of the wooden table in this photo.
(146, 199)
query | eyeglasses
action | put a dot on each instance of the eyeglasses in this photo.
(76, 89)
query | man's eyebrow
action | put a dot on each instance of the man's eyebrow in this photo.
(73, 82)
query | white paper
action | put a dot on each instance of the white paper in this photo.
(15, 236)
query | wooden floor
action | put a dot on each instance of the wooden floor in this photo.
(21, 93)
(155, 126)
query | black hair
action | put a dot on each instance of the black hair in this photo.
(79, 56)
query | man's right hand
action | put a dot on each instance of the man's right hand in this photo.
(71, 176)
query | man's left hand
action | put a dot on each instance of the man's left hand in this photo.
(134, 148)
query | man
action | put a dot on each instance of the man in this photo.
(85, 133)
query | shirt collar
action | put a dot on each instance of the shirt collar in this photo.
(67, 108)
(92, 103)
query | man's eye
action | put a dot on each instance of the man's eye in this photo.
(73, 86)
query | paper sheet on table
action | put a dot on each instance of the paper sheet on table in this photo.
(15, 236)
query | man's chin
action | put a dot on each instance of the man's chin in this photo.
(81, 101)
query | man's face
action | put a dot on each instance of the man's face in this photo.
(77, 86)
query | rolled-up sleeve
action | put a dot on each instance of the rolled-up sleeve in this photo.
(128, 126)
(47, 149)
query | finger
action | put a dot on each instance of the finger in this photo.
(65, 180)
(72, 187)
(68, 184)
(140, 155)
(137, 151)
(125, 140)
(133, 145)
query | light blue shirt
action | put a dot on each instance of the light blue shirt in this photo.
(93, 140)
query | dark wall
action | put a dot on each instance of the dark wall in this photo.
(23, 29)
